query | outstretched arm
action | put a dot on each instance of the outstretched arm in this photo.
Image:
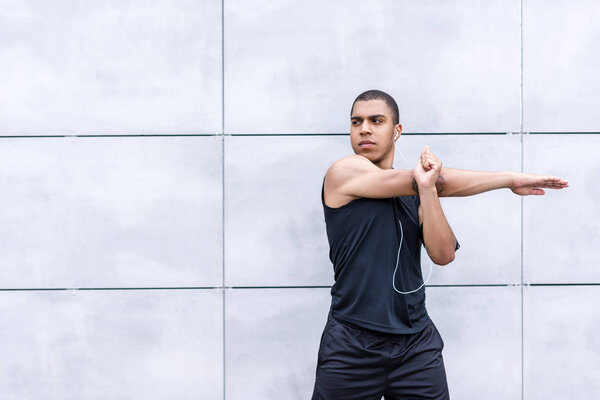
(355, 176)
(460, 182)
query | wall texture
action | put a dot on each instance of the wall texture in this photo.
(162, 235)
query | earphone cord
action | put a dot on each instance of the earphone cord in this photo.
(396, 269)
(400, 247)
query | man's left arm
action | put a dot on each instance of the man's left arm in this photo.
(438, 238)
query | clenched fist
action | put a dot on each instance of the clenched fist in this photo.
(427, 170)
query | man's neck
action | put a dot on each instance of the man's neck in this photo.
(386, 163)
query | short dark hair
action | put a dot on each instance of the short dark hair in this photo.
(379, 95)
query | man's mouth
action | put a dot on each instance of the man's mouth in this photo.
(366, 143)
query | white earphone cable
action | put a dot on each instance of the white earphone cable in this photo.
(400, 247)
(396, 269)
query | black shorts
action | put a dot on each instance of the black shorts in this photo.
(358, 363)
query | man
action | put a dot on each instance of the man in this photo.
(379, 340)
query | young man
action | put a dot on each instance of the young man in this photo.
(379, 340)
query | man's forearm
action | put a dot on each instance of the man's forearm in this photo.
(454, 182)
(461, 182)
(438, 237)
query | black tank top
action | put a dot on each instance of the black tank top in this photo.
(363, 240)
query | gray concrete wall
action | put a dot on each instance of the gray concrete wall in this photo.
(162, 235)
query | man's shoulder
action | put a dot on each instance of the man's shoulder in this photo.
(339, 174)
(349, 164)
(351, 160)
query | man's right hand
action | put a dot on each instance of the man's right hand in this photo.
(532, 184)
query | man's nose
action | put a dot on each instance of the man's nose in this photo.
(365, 128)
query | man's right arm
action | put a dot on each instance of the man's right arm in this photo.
(461, 182)
(355, 176)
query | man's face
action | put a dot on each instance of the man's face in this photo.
(372, 130)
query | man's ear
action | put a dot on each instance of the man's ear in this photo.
(397, 131)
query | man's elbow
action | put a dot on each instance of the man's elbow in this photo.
(444, 258)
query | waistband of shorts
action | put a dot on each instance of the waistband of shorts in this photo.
(344, 321)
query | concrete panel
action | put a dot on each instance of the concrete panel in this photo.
(481, 329)
(111, 67)
(111, 212)
(452, 66)
(150, 344)
(561, 58)
(488, 225)
(274, 224)
(560, 229)
(272, 340)
(561, 342)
